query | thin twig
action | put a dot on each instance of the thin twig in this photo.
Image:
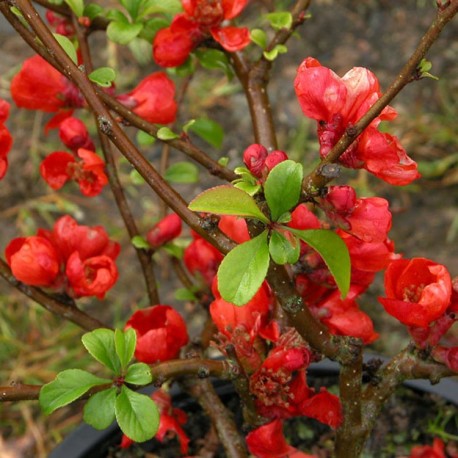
(69, 311)
(144, 257)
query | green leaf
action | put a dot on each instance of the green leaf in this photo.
(283, 187)
(152, 26)
(212, 59)
(282, 250)
(186, 126)
(116, 16)
(100, 344)
(333, 251)
(136, 178)
(68, 47)
(140, 242)
(132, 6)
(102, 76)
(227, 200)
(77, 6)
(165, 133)
(174, 250)
(125, 342)
(182, 172)
(223, 161)
(280, 20)
(273, 53)
(123, 33)
(144, 139)
(184, 294)
(161, 6)
(138, 374)
(99, 411)
(249, 188)
(243, 270)
(137, 415)
(208, 130)
(259, 37)
(68, 386)
(92, 10)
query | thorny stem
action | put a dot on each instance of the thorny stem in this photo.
(161, 372)
(315, 180)
(69, 311)
(117, 135)
(144, 257)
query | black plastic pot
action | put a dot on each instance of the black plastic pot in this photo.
(86, 442)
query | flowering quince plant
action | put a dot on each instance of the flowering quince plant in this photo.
(276, 258)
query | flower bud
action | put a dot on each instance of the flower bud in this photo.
(164, 231)
(274, 158)
(74, 134)
(254, 157)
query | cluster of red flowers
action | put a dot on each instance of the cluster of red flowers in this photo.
(337, 104)
(72, 258)
(201, 19)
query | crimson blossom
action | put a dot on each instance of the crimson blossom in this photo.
(88, 171)
(39, 86)
(268, 441)
(73, 258)
(201, 19)
(6, 141)
(161, 332)
(74, 134)
(418, 291)
(164, 231)
(153, 99)
(337, 104)
(428, 451)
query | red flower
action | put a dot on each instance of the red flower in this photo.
(428, 451)
(92, 276)
(254, 157)
(252, 316)
(274, 158)
(201, 19)
(234, 227)
(68, 236)
(343, 316)
(164, 231)
(6, 141)
(268, 441)
(33, 260)
(368, 218)
(84, 254)
(89, 173)
(161, 332)
(74, 135)
(153, 99)
(39, 86)
(61, 25)
(338, 103)
(418, 291)
(170, 422)
(202, 259)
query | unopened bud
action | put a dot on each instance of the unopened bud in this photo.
(74, 134)
(254, 157)
(164, 231)
(274, 158)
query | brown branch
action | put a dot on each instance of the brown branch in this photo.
(350, 388)
(144, 257)
(111, 129)
(69, 311)
(221, 417)
(315, 180)
(255, 78)
(183, 145)
(160, 372)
